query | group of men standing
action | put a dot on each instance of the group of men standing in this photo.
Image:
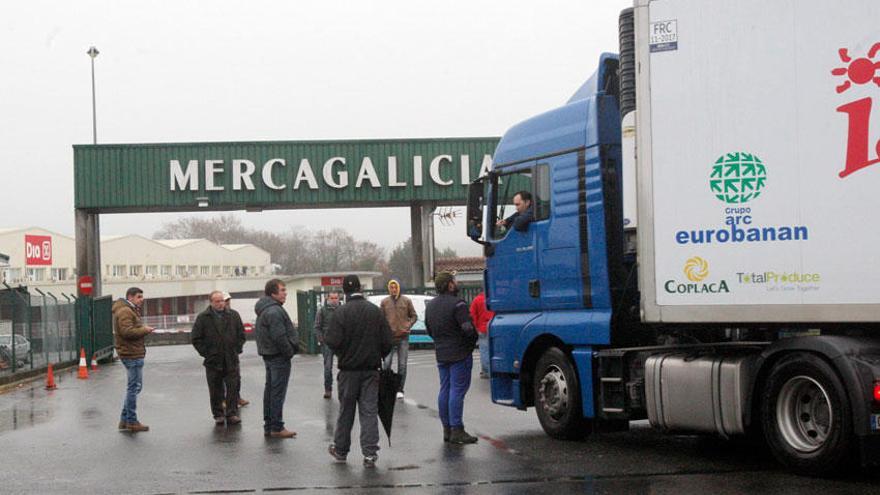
(363, 337)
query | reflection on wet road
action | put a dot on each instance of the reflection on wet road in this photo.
(66, 441)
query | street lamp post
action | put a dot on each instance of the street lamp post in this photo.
(93, 52)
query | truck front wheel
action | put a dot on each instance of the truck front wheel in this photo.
(558, 396)
(806, 415)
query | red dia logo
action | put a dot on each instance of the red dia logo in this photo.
(859, 71)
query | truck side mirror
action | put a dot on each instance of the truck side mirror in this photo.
(474, 215)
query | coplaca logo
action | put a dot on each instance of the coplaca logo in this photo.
(696, 269)
(737, 177)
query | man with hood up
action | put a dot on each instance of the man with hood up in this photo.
(401, 316)
(277, 342)
(128, 337)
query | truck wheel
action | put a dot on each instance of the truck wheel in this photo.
(558, 396)
(806, 415)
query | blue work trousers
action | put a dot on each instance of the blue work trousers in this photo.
(455, 380)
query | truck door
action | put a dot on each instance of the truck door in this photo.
(559, 232)
(512, 276)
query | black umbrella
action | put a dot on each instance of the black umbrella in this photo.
(389, 382)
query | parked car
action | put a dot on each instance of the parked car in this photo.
(418, 333)
(22, 347)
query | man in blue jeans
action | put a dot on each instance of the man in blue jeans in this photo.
(322, 324)
(277, 342)
(449, 324)
(128, 338)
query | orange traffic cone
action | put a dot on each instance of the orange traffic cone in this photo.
(50, 378)
(83, 367)
(94, 363)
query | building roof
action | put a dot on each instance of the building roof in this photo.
(10, 230)
(234, 247)
(173, 243)
(470, 264)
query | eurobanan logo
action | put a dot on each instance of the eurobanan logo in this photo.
(737, 178)
(696, 270)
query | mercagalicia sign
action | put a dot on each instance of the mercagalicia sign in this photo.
(289, 174)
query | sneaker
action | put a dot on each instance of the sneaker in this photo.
(243, 402)
(446, 433)
(370, 461)
(123, 425)
(399, 395)
(336, 455)
(233, 420)
(219, 420)
(285, 433)
(328, 394)
(136, 427)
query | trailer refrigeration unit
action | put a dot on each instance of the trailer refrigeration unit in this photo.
(704, 249)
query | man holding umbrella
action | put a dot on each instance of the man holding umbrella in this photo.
(360, 336)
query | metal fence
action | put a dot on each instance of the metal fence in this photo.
(36, 328)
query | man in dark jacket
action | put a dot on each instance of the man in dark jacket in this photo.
(322, 324)
(277, 342)
(360, 337)
(218, 336)
(449, 324)
(524, 214)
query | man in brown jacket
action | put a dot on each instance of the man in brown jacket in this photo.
(128, 336)
(401, 316)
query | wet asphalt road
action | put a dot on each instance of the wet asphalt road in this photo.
(65, 441)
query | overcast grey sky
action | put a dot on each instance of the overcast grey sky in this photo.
(178, 71)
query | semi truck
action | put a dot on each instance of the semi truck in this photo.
(698, 241)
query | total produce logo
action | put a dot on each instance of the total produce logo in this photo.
(696, 271)
(737, 179)
(781, 280)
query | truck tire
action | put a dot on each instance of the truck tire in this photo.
(558, 396)
(806, 415)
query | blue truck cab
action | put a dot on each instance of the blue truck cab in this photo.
(550, 284)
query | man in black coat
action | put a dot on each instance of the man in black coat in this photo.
(360, 336)
(448, 320)
(218, 336)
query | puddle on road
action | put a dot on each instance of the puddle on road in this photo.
(18, 417)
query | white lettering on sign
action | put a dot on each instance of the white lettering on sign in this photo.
(181, 180)
(212, 168)
(486, 167)
(417, 171)
(305, 173)
(209, 174)
(435, 170)
(242, 170)
(368, 172)
(392, 173)
(341, 177)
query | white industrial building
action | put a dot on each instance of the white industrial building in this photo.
(175, 275)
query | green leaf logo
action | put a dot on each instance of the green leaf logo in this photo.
(737, 177)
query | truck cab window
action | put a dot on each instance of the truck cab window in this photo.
(541, 196)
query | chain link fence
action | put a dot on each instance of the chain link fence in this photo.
(36, 328)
